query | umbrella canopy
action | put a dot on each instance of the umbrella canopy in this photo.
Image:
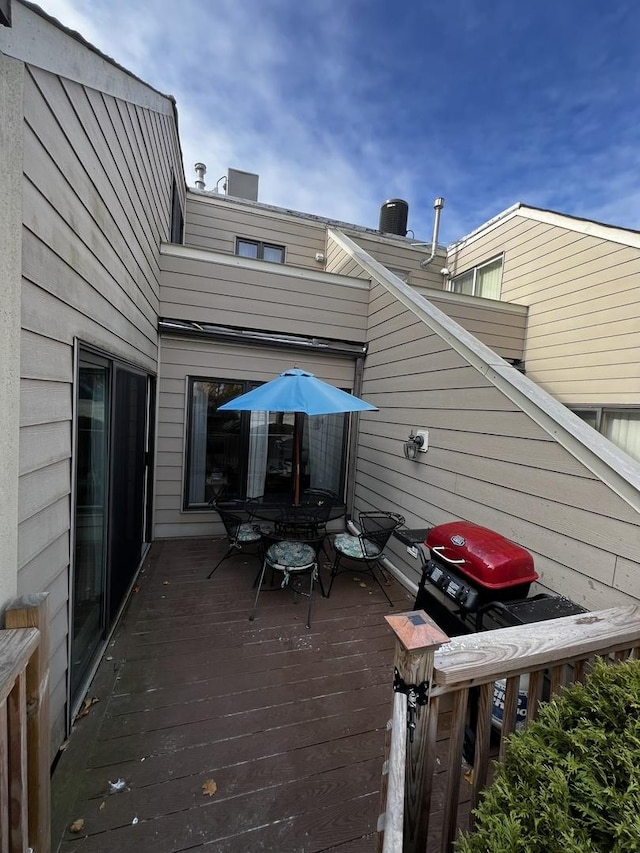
(301, 392)
(297, 390)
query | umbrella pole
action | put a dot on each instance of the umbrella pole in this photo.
(297, 454)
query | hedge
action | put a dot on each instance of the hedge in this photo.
(571, 780)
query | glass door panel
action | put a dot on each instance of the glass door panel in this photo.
(90, 522)
(128, 476)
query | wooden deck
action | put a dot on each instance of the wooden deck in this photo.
(286, 725)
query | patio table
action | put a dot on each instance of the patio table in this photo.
(311, 515)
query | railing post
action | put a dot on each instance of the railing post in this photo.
(32, 611)
(417, 639)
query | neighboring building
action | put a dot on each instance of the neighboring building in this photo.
(579, 281)
(140, 306)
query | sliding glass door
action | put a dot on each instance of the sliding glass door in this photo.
(112, 504)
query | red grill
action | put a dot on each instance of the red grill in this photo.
(471, 566)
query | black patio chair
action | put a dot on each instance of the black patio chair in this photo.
(294, 559)
(367, 547)
(241, 532)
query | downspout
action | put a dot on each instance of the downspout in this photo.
(438, 204)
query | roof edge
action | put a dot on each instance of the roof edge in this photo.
(588, 227)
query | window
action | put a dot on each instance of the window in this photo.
(260, 251)
(247, 454)
(484, 280)
(620, 426)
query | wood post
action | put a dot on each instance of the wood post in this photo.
(417, 639)
(32, 611)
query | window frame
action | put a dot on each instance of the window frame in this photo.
(260, 245)
(244, 440)
(601, 414)
(475, 270)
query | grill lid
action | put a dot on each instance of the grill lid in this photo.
(484, 556)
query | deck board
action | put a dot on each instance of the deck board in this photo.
(288, 722)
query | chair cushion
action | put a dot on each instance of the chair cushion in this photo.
(355, 547)
(291, 555)
(247, 532)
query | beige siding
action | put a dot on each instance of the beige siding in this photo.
(184, 357)
(398, 255)
(96, 204)
(214, 223)
(488, 462)
(500, 326)
(583, 331)
(212, 288)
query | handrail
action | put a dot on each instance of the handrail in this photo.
(478, 658)
(25, 823)
(468, 666)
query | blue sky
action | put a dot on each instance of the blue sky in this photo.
(341, 104)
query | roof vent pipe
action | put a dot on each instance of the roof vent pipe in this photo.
(438, 204)
(201, 170)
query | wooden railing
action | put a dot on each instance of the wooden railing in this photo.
(24, 727)
(553, 654)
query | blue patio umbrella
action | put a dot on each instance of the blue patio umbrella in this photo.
(301, 392)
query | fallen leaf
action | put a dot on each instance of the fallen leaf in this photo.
(77, 825)
(136, 589)
(102, 806)
(468, 776)
(63, 745)
(86, 706)
(209, 788)
(363, 585)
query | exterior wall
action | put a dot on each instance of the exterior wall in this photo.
(500, 326)
(214, 223)
(182, 357)
(11, 131)
(399, 254)
(583, 332)
(96, 196)
(209, 287)
(488, 462)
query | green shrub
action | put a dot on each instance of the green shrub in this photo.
(571, 780)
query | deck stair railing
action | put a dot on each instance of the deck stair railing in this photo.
(442, 673)
(24, 727)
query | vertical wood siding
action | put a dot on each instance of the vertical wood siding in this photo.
(184, 357)
(97, 200)
(583, 329)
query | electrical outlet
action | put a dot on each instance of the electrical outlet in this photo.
(425, 439)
